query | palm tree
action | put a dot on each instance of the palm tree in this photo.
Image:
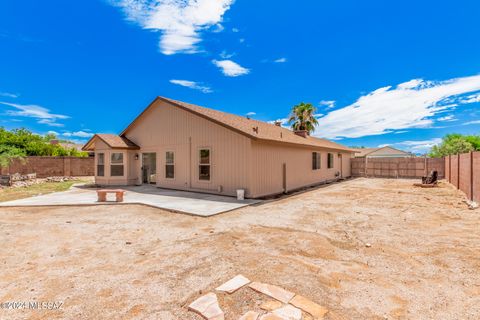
(303, 117)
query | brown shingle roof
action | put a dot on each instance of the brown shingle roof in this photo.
(252, 128)
(112, 140)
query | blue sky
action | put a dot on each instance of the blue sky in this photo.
(380, 72)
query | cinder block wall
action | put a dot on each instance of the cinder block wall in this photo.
(52, 166)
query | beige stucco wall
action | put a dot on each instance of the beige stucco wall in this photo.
(266, 168)
(167, 128)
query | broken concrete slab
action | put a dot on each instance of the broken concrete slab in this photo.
(250, 315)
(234, 284)
(271, 305)
(207, 306)
(272, 291)
(288, 312)
(310, 307)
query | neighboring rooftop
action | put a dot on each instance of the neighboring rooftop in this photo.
(254, 129)
(381, 152)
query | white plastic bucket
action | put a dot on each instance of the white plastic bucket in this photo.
(240, 194)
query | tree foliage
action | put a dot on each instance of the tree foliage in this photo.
(456, 143)
(303, 117)
(19, 143)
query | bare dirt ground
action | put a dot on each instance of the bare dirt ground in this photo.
(135, 262)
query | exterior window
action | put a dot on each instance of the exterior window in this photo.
(315, 160)
(204, 165)
(116, 165)
(100, 164)
(169, 165)
(330, 160)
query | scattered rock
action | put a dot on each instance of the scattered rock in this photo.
(271, 305)
(207, 306)
(271, 316)
(308, 306)
(250, 315)
(472, 205)
(273, 291)
(128, 242)
(68, 221)
(288, 312)
(234, 284)
(368, 244)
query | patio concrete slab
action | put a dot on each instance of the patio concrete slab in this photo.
(199, 204)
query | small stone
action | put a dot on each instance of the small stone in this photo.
(310, 307)
(272, 291)
(207, 306)
(250, 315)
(271, 316)
(68, 221)
(289, 312)
(234, 284)
(128, 242)
(368, 245)
(271, 305)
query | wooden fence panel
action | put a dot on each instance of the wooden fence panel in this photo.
(396, 167)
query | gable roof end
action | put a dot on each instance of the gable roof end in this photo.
(111, 140)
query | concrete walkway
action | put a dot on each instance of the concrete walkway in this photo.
(199, 204)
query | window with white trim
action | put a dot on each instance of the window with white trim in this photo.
(100, 164)
(204, 166)
(116, 164)
(316, 160)
(169, 165)
(330, 160)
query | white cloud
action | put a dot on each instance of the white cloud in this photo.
(280, 60)
(410, 105)
(235, 30)
(329, 104)
(9, 95)
(384, 145)
(241, 40)
(53, 132)
(472, 122)
(180, 21)
(419, 146)
(218, 28)
(192, 85)
(251, 113)
(230, 68)
(470, 99)
(80, 134)
(225, 55)
(448, 118)
(42, 114)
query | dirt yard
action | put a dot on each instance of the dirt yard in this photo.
(364, 249)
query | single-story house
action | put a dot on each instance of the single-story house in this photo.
(382, 152)
(182, 146)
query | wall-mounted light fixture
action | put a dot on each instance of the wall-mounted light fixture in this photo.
(136, 156)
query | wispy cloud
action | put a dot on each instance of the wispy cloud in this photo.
(418, 146)
(328, 104)
(225, 55)
(250, 114)
(412, 104)
(230, 68)
(192, 85)
(280, 60)
(471, 122)
(80, 134)
(448, 118)
(42, 114)
(9, 95)
(179, 21)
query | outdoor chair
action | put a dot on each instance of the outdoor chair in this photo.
(432, 178)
